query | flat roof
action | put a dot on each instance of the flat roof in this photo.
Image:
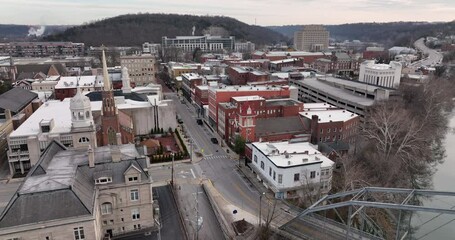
(53, 109)
(191, 76)
(317, 106)
(296, 53)
(247, 98)
(336, 92)
(84, 81)
(231, 88)
(299, 153)
(325, 116)
(284, 60)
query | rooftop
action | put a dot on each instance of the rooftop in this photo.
(279, 125)
(285, 154)
(284, 61)
(325, 116)
(16, 99)
(317, 106)
(84, 81)
(337, 92)
(231, 88)
(247, 98)
(282, 102)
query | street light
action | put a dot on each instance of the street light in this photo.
(260, 203)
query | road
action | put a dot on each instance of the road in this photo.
(216, 164)
(172, 228)
(434, 57)
(194, 202)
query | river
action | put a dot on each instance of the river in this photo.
(435, 226)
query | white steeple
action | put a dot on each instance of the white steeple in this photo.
(81, 111)
(106, 82)
(126, 87)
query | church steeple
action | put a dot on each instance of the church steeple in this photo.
(106, 81)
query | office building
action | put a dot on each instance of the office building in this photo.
(384, 75)
(311, 38)
(206, 43)
(141, 68)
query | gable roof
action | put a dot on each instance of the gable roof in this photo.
(16, 99)
(36, 68)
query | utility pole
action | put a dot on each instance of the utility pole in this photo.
(172, 171)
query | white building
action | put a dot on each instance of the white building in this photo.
(290, 169)
(244, 46)
(151, 48)
(384, 75)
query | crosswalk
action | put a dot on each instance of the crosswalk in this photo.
(212, 157)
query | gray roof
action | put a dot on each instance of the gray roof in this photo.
(281, 102)
(16, 99)
(280, 125)
(62, 184)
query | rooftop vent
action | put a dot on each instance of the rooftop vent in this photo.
(305, 160)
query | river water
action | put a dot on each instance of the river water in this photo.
(435, 226)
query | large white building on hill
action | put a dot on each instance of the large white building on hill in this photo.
(384, 75)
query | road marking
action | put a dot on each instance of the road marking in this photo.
(194, 176)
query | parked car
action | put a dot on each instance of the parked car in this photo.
(199, 121)
(214, 140)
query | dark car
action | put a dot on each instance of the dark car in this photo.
(214, 140)
(199, 121)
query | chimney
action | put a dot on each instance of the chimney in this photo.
(115, 153)
(91, 157)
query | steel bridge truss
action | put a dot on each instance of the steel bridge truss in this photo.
(398, 204)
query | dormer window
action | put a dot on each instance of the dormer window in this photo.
(45, 128)
(132, 179)
(84, 140)
(103, 180)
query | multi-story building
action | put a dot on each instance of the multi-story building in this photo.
(375, 53)
(312, 38)
(286, 64)
(151, 48)
(292, 169)
(189, 82)
(384, 75)
(41, 49)
(20, 103)
(308, 57)
(244, 47)
(353, 96)
(244, 75)
(254, 118)
(223, 93)
(339, 63)
(329, 124)
(66, 87)
(86, 193)
(205, 43)
(141, 68)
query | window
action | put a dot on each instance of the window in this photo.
(280, 178)
(84, 140)
(262, 165)
(103, 180)
(297, 177)
(106, 208)
(137, 226)
(312, 174)
(135, 215)
(322, 130)
(328, 130)
(274, 174)
(134, 195)
(79, 233)
(270, 171)
(255, 158)
(335, 130)
(132, 179)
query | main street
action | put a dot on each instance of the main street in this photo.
(216, 164)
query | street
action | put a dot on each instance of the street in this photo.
(434, 57)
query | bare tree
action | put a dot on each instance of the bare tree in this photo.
(265, 230)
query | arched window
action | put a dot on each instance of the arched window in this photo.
(81, 115)
(87, 114)
(84, 140)
(106, 208)
(74, 116)
(111, 136)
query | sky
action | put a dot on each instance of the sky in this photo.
(260, 12)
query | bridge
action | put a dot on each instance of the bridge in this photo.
(371, 213)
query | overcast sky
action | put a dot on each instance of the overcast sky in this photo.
(264, 12)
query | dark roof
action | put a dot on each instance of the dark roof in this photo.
(328, 147)
(40, 167)
(281, 102)
(36, 68)
(43, 206)
(16, 99)
(279, 125)
(97, 96)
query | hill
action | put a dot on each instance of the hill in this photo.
(394, 33)
(135, 29)
(12, 32)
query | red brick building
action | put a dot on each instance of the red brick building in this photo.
(375, 53)
(330, 125)
(281, 65)
(243, 75)
(339, 63)
(255, 118)
(224, 93)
